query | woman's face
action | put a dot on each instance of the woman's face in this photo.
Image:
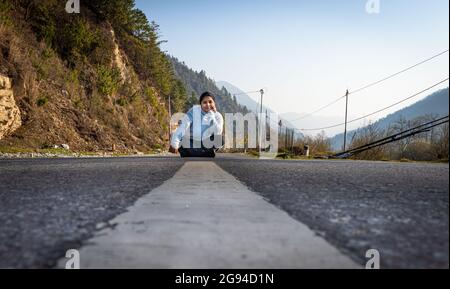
(208, 104)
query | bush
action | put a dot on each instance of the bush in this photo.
(108, 80)
(420, 151)
(42, 101)
(159, 111)
(77, 40)
(319, 145)
(5, 8)
(121, 102)
(368, 134)
(43, 20)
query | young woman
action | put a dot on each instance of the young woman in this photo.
(200, 131)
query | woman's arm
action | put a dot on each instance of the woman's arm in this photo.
(217, 122)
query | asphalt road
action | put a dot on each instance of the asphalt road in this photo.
(400, 209)
(50, 205)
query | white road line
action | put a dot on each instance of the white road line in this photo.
(204, 218)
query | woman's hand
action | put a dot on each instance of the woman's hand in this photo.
(173, 150)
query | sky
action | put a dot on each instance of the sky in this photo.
(306, 53)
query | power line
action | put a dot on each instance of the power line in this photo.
(320, 109)
(397, 73)
(380, 110)
(371, 85)
(258, 105)
(248, 92)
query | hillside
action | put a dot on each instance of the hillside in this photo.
(198, 82)
(96, 81)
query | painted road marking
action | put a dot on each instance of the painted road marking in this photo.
(205, 218)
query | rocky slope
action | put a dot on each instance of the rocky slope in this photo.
(9, 112)
(96, 81)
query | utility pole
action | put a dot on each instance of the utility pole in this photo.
(346, 119)
(286, 138)
(260, 121)
(170, 117)
(292, 140)
(267, 126)
(280, 126)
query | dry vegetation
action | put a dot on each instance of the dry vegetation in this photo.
(69, 85)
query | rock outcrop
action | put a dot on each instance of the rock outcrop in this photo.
(10, 119)
(119, 59)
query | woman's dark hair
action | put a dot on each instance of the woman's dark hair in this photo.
(206, 94)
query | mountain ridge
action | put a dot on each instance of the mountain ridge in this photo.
(435, 105)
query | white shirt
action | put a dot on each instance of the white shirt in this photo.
(201, 125)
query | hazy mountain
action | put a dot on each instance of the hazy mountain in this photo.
(244, 99)
(314, 121)
(241, 97)
(435, 104)
(198, 82)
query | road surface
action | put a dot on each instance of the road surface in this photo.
(231, 212)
